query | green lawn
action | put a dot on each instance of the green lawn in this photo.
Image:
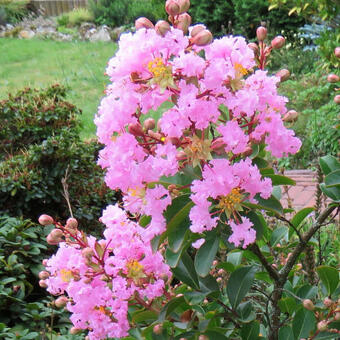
(38, 63)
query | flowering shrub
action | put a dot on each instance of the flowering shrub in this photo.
(196, 177)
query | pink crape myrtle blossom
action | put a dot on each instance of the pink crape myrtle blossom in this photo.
(227, 183)
(242, 232)
(100, 285)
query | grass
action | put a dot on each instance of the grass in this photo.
(38, 63)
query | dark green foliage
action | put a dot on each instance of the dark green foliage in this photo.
(244, 17)
(31, 175)
(125, 12)
(23, 307)
(12, 11)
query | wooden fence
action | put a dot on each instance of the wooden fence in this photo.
(57, 7)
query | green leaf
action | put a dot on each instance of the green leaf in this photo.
(307, 292)
(281, 180)
(328, 164)
(239, 284)
(235, 258)
(250, 331)
(332, 192)
(259, 222)
(278, 234)
(287, 305)
(260, 162)
(271, 204)
(144, 315)
(333, 179)
(170, 307)
(194, 298)
(208, 284)
(286, 333)
(185, 271)
(245, 311)
(173, 258)
(301, 215)
(215, 335)
(303, 323)
(206, 254)
(329, 277)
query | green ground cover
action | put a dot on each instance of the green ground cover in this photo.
(77, 65)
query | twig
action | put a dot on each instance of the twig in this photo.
(65, 189)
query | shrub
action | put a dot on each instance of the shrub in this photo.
(12, 11)
(43, 152)
(79, 15)
(124, 12)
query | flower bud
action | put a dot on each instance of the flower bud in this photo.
(44, 262)
(181, 155)
(16, 288)
(333, 78)
(87, 252)
(43, 275)
(45, 220)
(202, 38)
(337, 99)
(184, 21)
(172, 7)
(186, 316)
(158, 329)
(337, 52)
(56, 233)
(75, 330)
(196, 29)
(337, 316)
(278, 42)
(261, 33)
(61, 301)
(254, 47)
(143, 23)
(283, 74)
(162, 27)
(327, 302)
(290, 116)
(52, 241)
(184, 5)
(247, 152)
(322, 325)
(72, 223)
(135, 129)
(43, 284)
(203, 337)
(308, 304)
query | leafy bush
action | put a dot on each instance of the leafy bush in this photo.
(23, 309)
(43, 152)
(79, 15)
(12, 11)
(124, 12)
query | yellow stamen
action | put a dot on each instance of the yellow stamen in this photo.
(157, 67)
(240, 69)
(231, 202)
(66, 275)
(135, 270)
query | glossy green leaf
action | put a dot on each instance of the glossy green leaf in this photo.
(170, 307)
(185, 271)
(329, 276)
(301, 215)
(260, 162)
(144, 315)
(286, 333)
(246, 312)
(250, 331)
(235, 257)
(208, 284)
(172, 258)
(215, 335)
(333, 179)
(278, 234)
(303, 323)
(259, 222)
(281, 180)
(287, 305)
(206, 255)
(328, 164)
(239, 284)
(193, 298)
(333, 192)
(272, 204)
(307, 292)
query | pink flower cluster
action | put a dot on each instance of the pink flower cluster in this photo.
(101, 277)
(198, 89)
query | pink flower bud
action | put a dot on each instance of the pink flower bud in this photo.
(261, 33)
(254, 47)
(45, 220)
(278, 42)
(87, 252)
(308, 304)
(322, 325)
(184, 5)
(196, 29)
(172, 7)
(56, 233)
(202, 38)
(158, 329)
(337, 99)
(290, 116)
(53, 242)
(203, 337)
(143, 23)
(135, 129)
(337, 52)
(44, 262)
(184, 21)
(43, 284)
(327, 302)
(72, 223)
(61, 301)
(283, 74)
(43, 275)
(162, 27)
(333, 78)
(75, 330)
(181, 155)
